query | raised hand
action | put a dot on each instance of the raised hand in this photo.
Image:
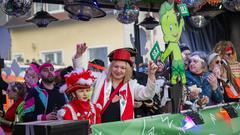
(80, 49)
(217, 71)
(212, 79)
(152, 68)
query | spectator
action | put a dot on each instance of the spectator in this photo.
(185, 50)
(199, 76)
(32, 75)
(226, 51)
(43, 101)
(96, 65)
(16, 91)
(229, 83)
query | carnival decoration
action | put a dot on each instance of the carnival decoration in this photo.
(198, 21)
(232, 5)
(128, 14)
(16, 7)
(83, 10)
(149, 23)
(41, 19)
(213, 2)
(194, 3)
(172, 31)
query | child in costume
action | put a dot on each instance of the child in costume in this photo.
(78, 84)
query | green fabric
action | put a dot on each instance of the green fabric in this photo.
(171, 124)
(20, 111)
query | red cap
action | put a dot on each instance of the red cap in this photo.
(44, 65)
(122, 55)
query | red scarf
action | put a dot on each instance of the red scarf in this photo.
(129, 109)
(82, 107)
(10, 114)
(128, 112)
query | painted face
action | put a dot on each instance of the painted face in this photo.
(119, 70)
(11, 93)
(195, 64)
(83, 94)
(31, 76)
(47, 74)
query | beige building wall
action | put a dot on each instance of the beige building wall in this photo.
(30, 41)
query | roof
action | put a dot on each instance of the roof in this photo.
(14, 22)
(144, 5)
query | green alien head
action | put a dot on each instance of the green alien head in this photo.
(168, 20)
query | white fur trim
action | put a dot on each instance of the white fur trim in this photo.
(74, 115)
(63, 88)
(77, 71)
(82, 81)
(60, 114)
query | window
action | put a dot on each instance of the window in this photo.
(3, 18)
(54, 8)
(55, 57)
(51, 8)
(98, 53)
(18, 57)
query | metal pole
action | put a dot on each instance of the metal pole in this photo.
(139, 58)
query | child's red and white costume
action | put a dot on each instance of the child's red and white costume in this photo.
(78, 109)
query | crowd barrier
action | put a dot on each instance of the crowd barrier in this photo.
(175, 124)
(54, 127)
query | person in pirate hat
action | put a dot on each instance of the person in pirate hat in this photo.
(96, 65)
(132, 51)
(78, 84)
(115, 90)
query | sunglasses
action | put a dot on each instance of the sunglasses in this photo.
(218, 62)
(229, 54)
